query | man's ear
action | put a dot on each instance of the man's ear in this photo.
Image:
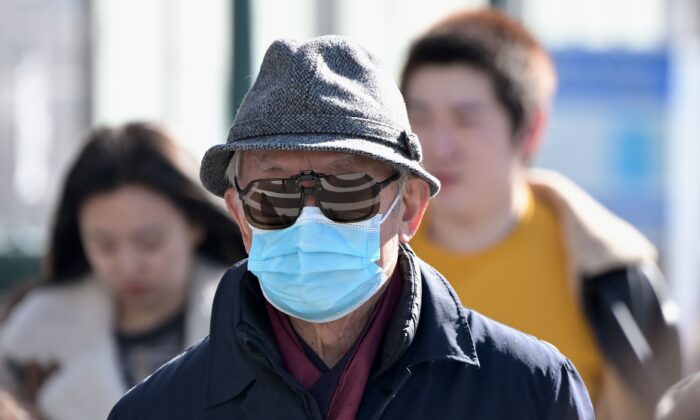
(533, 135)
(415, 201)
(235, 209)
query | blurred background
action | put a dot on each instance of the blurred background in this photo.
(626, 123)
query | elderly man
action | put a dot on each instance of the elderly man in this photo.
(333, 316)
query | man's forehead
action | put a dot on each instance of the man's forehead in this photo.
(294, 161)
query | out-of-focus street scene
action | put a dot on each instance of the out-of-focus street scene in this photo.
(108, 107)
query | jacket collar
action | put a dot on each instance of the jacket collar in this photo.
(597, 239)
(242, 342)
(238, 328)
(427, 300)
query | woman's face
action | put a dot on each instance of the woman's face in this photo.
(138, 244)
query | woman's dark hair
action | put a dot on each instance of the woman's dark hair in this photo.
(133, 154)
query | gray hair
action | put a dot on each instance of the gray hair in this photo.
(231, 172)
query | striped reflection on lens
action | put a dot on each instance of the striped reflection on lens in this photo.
(273, 203)
(349, 197)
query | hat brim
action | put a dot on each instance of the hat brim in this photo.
(213, 168)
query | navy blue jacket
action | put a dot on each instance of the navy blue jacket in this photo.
(438, 360)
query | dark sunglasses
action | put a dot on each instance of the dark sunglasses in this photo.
(277, 203)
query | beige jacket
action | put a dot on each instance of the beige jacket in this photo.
(72, 325)
(597, 241)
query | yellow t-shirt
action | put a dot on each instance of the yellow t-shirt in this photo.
(523, 282)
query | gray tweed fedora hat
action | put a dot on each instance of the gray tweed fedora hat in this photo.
(328, 94)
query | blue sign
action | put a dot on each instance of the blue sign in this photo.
(607, 130)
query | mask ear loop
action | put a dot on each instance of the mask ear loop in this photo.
(391, 207)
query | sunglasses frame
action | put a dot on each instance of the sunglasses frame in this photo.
(305, 176)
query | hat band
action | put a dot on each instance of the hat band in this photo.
(326, 124)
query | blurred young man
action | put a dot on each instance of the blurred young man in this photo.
(529, 248)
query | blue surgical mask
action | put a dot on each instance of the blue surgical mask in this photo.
(319, 270)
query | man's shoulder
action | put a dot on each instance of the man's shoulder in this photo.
(498, 343)
(531, 372)
(492, 339)
(175, 387)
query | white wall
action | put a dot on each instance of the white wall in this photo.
(164, 60)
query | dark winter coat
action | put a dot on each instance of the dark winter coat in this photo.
(438, 360)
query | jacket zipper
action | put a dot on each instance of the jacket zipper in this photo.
(407, 374)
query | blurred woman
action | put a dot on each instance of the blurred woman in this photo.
(136, 250)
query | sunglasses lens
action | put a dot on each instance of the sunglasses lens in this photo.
(276, 203)
(272, 203)
(348, 197)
